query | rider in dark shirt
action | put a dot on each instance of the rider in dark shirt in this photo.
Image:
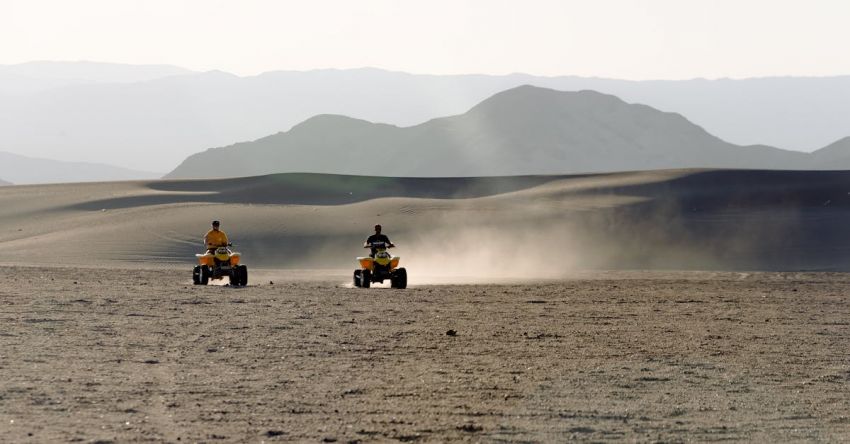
(377, 237)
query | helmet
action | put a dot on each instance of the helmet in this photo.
(215, 222)
(377, 227)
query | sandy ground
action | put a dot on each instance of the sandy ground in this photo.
(128, 355)
(104, 338)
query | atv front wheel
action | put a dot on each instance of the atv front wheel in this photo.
(196, 275)
(239, 276)
(358, 276)
(366, 279)
(399, 278)
(242, 272)
(204, 275)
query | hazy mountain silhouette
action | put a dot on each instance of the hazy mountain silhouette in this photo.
(155, 123)
(4, 183)
(28, 170)
(40, 76)
(525, 130)
(833, 156)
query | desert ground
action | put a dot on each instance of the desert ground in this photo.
(659, 306)
(128, 355)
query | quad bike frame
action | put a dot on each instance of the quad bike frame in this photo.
(378, 269)
(223, 263)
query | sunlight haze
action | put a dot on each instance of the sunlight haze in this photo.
(655, 39)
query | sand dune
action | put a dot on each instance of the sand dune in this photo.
(545, 225)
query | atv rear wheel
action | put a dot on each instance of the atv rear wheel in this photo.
(366, 279)
(204, 275)
(196, 275)
(399, 278)
(358, 275)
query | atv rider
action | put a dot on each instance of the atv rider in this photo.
(377, 237)
(215, 238)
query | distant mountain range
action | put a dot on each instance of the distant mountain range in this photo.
(525, 130)
(32, 77)
(836, 156)
(23, 170)
(152, 117)
(4, 183)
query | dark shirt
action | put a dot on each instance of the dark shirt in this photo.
(377, 238)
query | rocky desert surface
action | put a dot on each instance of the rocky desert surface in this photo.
(111, 355)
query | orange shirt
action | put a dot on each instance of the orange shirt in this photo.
(215, 238)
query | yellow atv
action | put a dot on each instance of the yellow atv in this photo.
(223, 262)
(379, 268)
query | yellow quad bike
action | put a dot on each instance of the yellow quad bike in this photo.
(224, 262)
(379, 268)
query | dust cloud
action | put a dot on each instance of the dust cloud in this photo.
(562, 230)
(490, 254)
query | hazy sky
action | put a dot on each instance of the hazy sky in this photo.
(661, 39)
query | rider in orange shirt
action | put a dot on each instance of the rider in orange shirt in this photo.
(215, 238)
